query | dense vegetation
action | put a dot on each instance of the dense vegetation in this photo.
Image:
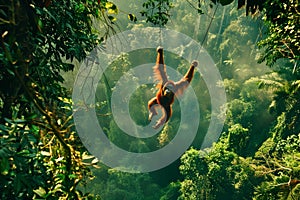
(258, 153)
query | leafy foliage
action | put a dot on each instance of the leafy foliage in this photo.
(283, 23)
(218, 174)
(114, 185)
(157, 11)
(257, 155)
(41, 155)
(279, 170)
(272, 171)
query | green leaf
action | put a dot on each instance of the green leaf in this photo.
(41, 192)
(24, 152)
(31, 116)
(19, 120)
(4, 166)
(73, 176)
(4, 128)
(18, 183)
(10, 71)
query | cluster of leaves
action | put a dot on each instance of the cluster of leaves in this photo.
(278, 170)
(19, 156)
(283, 22)
(157, 11)
(41, 155)
(285, 104)
(278, 161)
(218, 174)
(114, 185)
(222, 174)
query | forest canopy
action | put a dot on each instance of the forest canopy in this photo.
(255, 47)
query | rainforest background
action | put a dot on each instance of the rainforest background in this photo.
(255, 45)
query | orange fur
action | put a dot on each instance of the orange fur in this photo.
(167, 89)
